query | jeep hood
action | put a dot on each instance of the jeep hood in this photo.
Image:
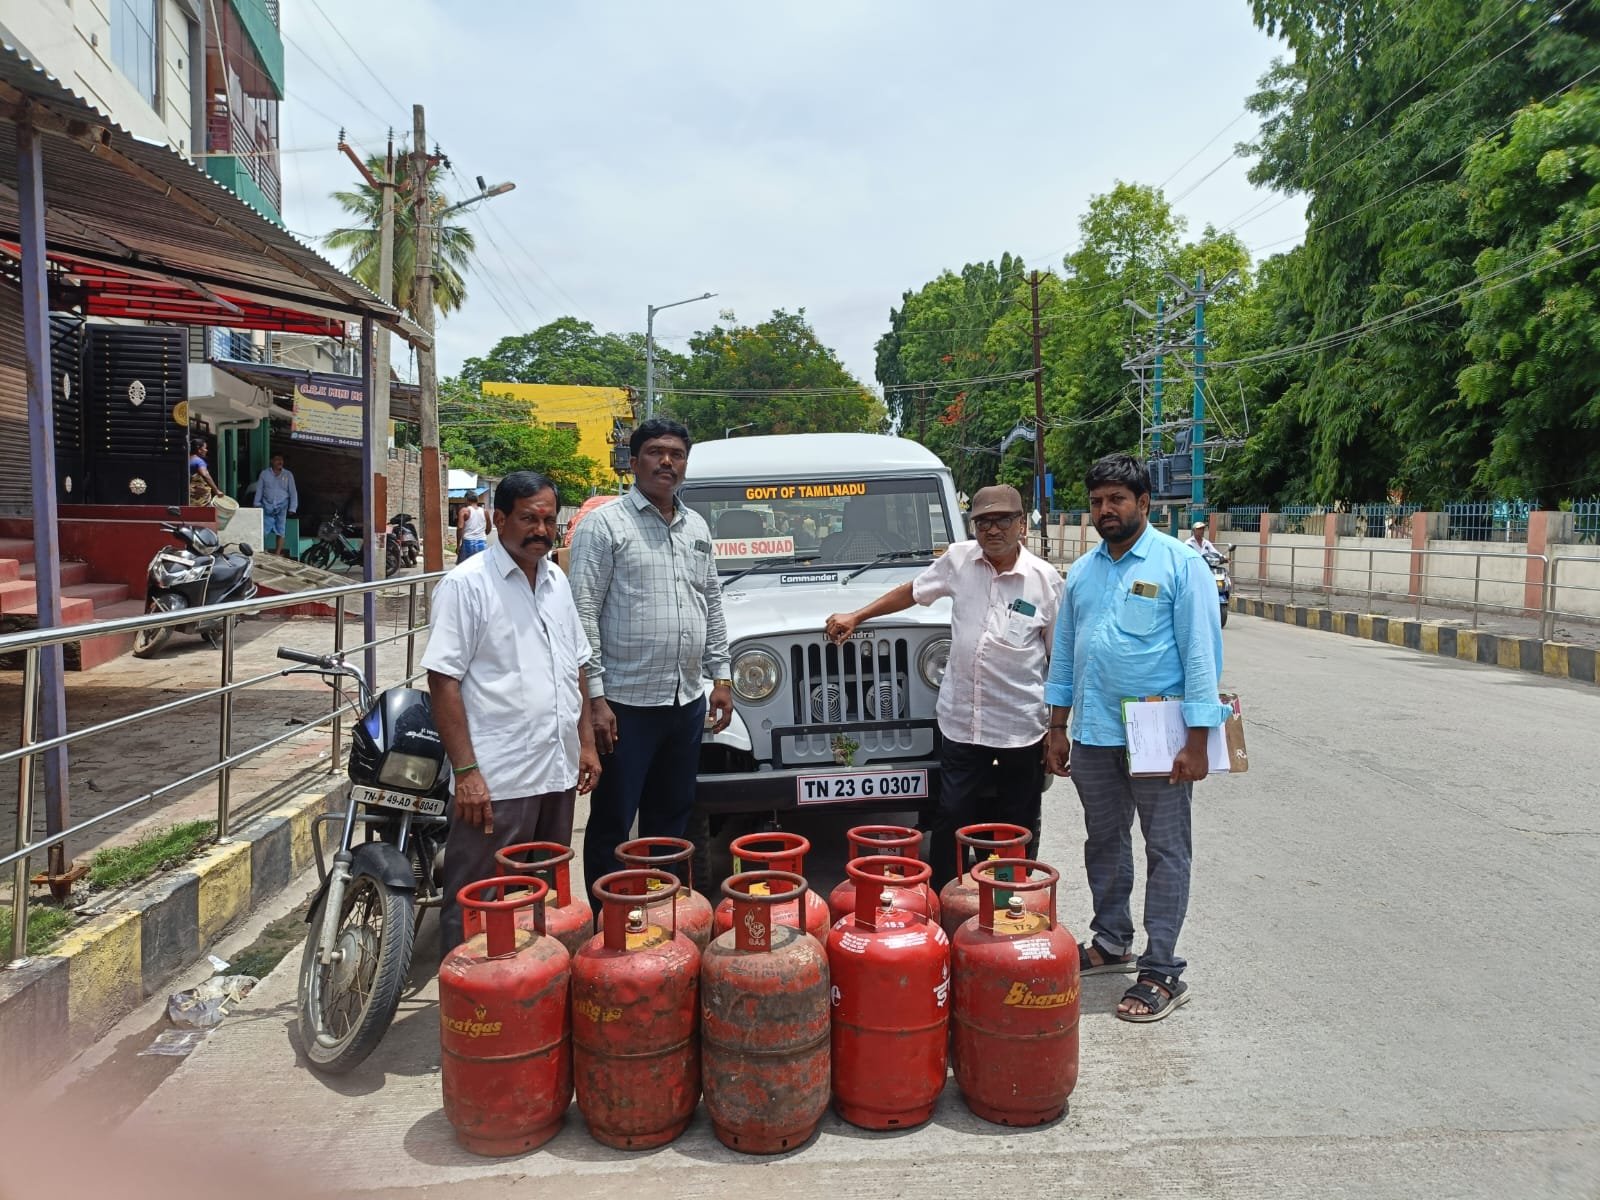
(759, 606)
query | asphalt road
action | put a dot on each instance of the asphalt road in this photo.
(1391, 939)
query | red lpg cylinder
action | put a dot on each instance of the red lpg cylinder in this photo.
(635, 1000)
(778, 851)
(1016, 999)
(898, 840)
(505, 1057)
(764, 1021)
(568, 918)
(989, 840)
(693, 909)
(891, 991)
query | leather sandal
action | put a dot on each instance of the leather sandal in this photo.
(1149, 992)
(1110, 964)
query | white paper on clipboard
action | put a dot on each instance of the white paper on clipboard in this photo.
(1156, 733)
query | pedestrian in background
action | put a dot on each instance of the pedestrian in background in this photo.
(278, 499)
(472, 528)
(1138, 618)
(991, 704)
(505, 662)
(201, 486)
(645, 580)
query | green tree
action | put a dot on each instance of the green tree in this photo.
(453, 245)
(569, 350)
(776, 375)
(494, 437)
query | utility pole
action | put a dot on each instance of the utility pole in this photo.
(427, 379)
(1155, 421)
(922, 415)
(1038, 424)
(1197, 456)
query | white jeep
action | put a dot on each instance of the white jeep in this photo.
(803, 526)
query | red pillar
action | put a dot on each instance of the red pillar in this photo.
(1330, 543)
(1420, 524)
(1538, 543)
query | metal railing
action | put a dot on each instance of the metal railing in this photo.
(1586, 521)
(1412, 578)
(1488, 520)
(30, 746)
(1245, 518)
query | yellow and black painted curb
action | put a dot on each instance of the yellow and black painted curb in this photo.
(59, 1003)
(1561, 660)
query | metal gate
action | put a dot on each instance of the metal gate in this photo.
(16, 486)
(66, 387)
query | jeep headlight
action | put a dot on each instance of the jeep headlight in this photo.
(413, 772)
(932, 661)
(756, 675)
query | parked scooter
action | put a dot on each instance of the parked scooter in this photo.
(389, 864)
(201, 573)
(336, 542)
(405, 544)
(1218, 562)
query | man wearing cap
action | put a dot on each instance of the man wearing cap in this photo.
(1198, 539)
(992, 715)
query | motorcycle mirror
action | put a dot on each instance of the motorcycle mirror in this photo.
(174, 511)
(246, 549)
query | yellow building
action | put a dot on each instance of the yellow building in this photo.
(595, 412)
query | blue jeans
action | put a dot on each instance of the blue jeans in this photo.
(1110, 798)
(274, 519)
(650, 774)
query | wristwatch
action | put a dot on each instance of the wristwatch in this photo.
(727, 683)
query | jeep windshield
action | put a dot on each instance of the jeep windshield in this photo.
(843, 522)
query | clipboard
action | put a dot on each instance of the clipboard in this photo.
(1155, 733)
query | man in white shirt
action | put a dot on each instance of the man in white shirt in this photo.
(505, 664)
(472, 528)
(1198, 540)
(278, 499)
(992, 714)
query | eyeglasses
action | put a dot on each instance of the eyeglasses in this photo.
(995, 522)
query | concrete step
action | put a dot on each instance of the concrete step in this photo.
(93, 652)
(71, 572)
(101, 595)
(16, 595)
(10, 570)
(20, 549)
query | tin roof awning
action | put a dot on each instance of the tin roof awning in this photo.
(280, 381)
(145, 216)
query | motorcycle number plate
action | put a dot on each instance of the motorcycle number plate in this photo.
(427, 806)
(861, 785)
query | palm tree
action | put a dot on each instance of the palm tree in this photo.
(453, 245)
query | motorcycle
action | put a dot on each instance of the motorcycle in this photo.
(387, 871)
(336, 542)
(199, 574)
(1218, 562)
(405, 545)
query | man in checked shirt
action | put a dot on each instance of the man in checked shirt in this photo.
(645, 580)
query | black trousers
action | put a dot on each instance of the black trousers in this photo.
(981, 783)
(469, 853)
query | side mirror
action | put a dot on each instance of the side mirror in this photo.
(247, 550)
(174, 511)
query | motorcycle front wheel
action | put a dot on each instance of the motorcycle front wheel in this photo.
(346, 1006)
(1224, 614)
(318, 556)
(391, 559)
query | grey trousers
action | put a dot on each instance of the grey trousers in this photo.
(1110, 798)
(469, 853)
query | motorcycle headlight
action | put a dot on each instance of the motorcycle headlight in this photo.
(756, 675)
(173, 573)
(413, 772)
(935, 657)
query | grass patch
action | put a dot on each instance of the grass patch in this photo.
(121, 865)
(45, 925)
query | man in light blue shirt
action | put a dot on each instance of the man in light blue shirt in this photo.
(278, 500)
(1138, 618)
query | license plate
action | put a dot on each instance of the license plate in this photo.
(427, 806)
(861, 785)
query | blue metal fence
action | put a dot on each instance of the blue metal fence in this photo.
(1301, 518)
(1586, 521)
(1488, 521)
(1246, 518)
(1384, 520)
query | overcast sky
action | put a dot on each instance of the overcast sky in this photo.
(826, 154)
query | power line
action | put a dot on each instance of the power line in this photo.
(398, 103)
(331, 78)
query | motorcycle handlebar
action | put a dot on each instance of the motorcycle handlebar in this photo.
(311, 660)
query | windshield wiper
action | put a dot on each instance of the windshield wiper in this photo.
(886, 556)
(776, 560)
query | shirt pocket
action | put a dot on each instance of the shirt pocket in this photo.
(1136, 615)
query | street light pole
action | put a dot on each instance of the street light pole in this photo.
(728, 432)
(650, 349)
